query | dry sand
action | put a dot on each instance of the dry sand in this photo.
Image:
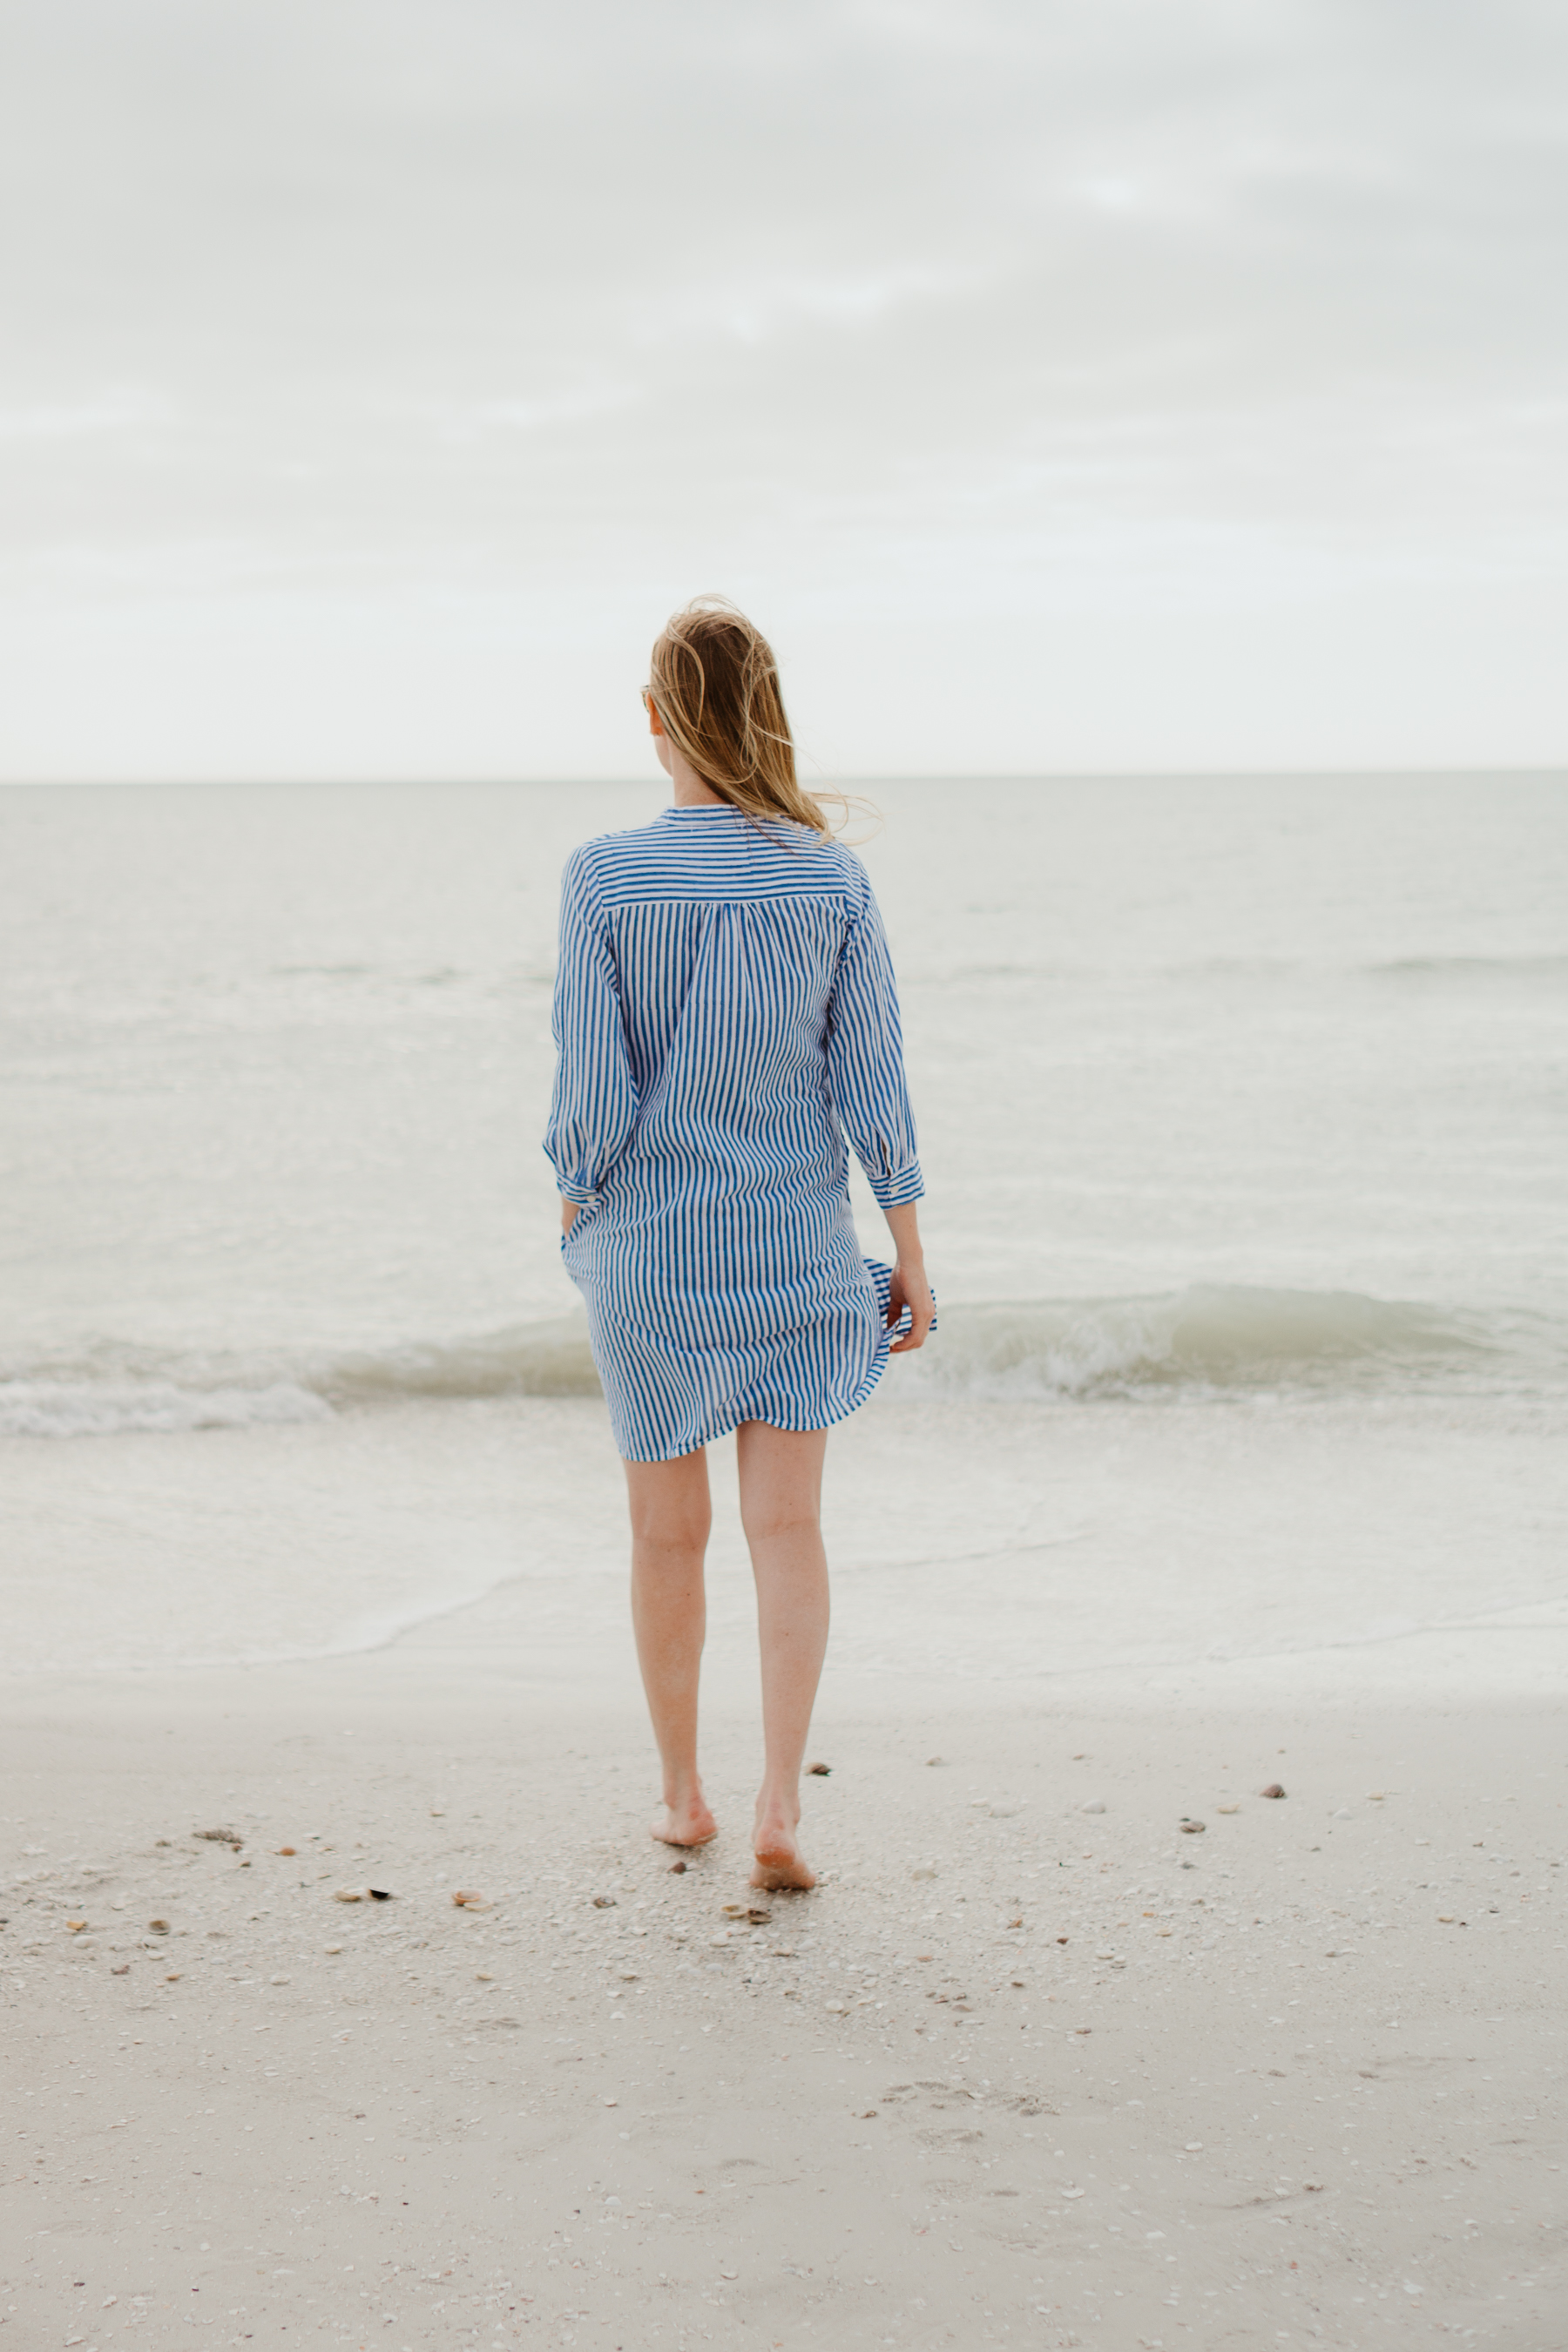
(1036, 2065)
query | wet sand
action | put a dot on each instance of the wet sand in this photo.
(1020, 2070)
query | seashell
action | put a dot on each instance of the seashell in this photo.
(1273, 1790)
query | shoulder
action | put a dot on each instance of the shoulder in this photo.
(596, 866)
(819, 862)
(842, 873)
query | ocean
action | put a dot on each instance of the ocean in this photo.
(1243, 1101)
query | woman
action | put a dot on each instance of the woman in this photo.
(725, 1015)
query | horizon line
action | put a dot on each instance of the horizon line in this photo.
(1185, 775)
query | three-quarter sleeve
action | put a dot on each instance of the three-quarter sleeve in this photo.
(594, 1105)
(865, 1060)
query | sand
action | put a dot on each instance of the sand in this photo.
(1037, 2063)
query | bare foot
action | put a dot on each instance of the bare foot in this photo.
(687, 1823)
(779, 1860)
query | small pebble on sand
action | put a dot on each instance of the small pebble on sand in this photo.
(823, 1770)
(1193, 1829)
(677, 1867)
(1227, 1808)
(1093, 1806)
(932, 1761)
(286, 1849)
(332, 1950)
(347, 1894)
(1273, 1790)
(76, 1925)
(159, 1926)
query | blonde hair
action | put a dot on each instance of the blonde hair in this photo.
(715, 686)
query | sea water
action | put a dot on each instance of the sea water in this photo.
(1241, 1095)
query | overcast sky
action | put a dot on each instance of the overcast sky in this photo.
(1062, 384)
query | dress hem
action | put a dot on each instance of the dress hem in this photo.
(793, 1428)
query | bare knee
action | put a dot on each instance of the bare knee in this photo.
(770, 1523)
(669, 1508)
(681, 1533)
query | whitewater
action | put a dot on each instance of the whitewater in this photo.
(1242, 1106)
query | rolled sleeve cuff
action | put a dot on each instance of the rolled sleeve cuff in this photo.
(896, 1191)
(581, 1196)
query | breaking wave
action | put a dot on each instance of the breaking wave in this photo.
(81, 1406)
(1209, 1338)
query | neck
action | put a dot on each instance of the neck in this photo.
(688, 791)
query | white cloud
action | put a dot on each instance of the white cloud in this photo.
(464, 340)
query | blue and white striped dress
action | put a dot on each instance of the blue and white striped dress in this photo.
(725, 1016)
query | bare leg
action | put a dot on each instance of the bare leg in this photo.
(781, 1508)
(670, 1517)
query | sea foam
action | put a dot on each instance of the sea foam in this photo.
(1206, 1338)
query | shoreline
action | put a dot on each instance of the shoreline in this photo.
(604, 2105)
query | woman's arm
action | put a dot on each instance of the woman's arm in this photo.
(910, 1287)
(865, 1063)
(594, 1104)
